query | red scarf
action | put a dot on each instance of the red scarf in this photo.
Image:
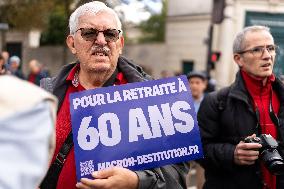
(261, 96)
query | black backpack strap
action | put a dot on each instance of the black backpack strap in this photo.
(222, 95)
(51, 178)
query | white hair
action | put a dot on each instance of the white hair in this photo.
(15, 59)
(93, 8)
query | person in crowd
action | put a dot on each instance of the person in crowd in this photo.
(14, 67)
(197, 82)
(2, 65)
(97, 42)
(231, 118)
(211, 85)
(27, 133)
(167, 73)
(6, 57)
(36, 72)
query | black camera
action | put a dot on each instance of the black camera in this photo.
(268, 153)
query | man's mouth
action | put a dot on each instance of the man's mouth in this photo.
(266, 65)
(100, 51)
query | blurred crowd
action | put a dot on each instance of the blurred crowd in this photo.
(12, 66)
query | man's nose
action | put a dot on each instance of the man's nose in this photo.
(266, 54)
(101, 38)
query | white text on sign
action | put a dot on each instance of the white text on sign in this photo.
(129, 95)
(139, 127)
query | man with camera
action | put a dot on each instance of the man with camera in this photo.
(242, 126)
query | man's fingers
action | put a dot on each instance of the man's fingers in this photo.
(248, 158)
(96, 183)
(248, 146)
(81, 185)
(247, 153)
(102, 174)
(246, 162)
(251, 136)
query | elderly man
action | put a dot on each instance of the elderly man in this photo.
(253, 105)
(14, 67)
(95, 38)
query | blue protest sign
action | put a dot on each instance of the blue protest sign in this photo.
(137, 126)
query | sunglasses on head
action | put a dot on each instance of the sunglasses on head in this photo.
(91, 34)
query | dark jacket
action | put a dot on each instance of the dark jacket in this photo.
(167, 177)
(37, 77)
(223, 126)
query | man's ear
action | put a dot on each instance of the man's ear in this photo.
(238, 59)
(70, 43)
(121, 44)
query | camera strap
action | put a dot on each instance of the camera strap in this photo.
(257, 128)
(51, 178)
(272, 115)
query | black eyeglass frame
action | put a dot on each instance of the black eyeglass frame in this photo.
(96, 33)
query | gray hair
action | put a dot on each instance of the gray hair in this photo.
(238, 44)
(15, 59)
(91, 7)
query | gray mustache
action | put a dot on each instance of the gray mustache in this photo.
(100, 49)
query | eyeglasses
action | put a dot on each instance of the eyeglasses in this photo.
(91, 34)
(258, 51)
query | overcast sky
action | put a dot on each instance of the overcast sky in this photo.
(137, 10)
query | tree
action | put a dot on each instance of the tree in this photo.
(153, 30)
(57, 28)
(25, 14)
(81, 2)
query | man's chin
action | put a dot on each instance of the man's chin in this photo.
(100, 69)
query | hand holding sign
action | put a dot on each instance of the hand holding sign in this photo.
(116, 177)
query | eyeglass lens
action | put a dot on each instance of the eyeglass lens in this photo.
(258, 51)
(90, 34)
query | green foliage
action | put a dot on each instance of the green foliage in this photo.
(57, 29)
(81, 2)
(25, 14)
(153, 30)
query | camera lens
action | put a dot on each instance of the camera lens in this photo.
(277, 168)
(273, 161)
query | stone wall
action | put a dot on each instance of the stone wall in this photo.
(149, 56)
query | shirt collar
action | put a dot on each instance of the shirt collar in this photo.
(117, 77)
(73, 77)
(255, 86)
